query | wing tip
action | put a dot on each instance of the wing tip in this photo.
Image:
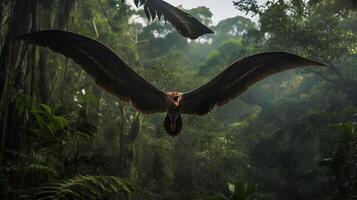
(203, 30)
(209, 30)
(23, 37)
(195, 36)
(315, 63)
(308, 62)
(29, 36)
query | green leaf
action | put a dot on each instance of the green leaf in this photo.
(84, 187)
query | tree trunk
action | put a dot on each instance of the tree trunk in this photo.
(20, 23)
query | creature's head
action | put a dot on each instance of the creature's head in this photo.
(173, 100)
(173, 121)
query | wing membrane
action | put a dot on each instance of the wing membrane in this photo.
(104, 66)
(237, 78)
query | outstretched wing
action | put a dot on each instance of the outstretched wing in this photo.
(237, 78)
(104, 66)
(185, 23)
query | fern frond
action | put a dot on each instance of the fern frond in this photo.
(37, 168)
(84, 187)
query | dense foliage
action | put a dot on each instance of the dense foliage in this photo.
(291, 136)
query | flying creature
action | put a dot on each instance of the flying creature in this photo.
(112, 74)
(185, 24)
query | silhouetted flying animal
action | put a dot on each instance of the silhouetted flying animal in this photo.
(185, 23)
(113, 75)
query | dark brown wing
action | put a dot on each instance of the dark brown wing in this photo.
(104, 66)
(185, 23)
(237, 78)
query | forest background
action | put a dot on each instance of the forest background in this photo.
(289, 137)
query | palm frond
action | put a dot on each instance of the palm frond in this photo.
(84, 187)
(40, 169)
